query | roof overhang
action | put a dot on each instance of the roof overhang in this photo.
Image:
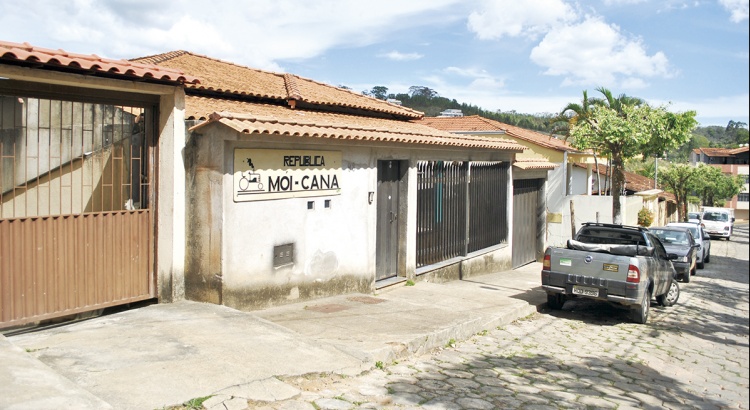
(532, 164)
(287, 122)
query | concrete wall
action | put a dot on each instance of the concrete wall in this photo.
(586, 209)
(230, 245)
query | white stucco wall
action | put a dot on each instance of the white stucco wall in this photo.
(327, 241)
(580, 181)
(334, 248)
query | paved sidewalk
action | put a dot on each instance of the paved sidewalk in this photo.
(162, 355)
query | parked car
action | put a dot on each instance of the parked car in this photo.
(679, 241)
(718, 221)
(694, 217)
(702, 238)
(620, 264)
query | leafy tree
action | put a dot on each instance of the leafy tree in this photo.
(679, 179)
(380, 92)
(624, 127)
(421, 91)
(572, 114)
(714, 187)
(737, 132)
(682, 153)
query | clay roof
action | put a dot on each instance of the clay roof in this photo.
(235, 80)
(739, 150)
(636, 183)
(478, 123)
(25, 54)
(526, 164)
(272, 119)
(715, 152)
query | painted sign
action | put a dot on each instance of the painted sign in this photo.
(261, 174)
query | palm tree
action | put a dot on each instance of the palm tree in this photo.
(617, 163)
(570, 115)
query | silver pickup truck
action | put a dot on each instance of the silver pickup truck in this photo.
(621, 264)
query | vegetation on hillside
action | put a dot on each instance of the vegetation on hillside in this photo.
(430, 102)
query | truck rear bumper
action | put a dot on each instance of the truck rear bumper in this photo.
(628, 301)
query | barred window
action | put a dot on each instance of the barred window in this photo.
(743, 197)
(461, 208)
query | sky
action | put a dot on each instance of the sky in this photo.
(531, 56)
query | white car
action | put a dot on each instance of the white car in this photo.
(694, 217)
(701, 237)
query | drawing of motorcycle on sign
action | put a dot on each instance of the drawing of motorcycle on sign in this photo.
(250, 181)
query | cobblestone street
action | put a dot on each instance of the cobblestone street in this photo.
(588, 355)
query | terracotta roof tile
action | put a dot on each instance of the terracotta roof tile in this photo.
(721, 152)
(233, 79)
(534, 164)
(221, 76)
(716, 152)
(251, 118)
(635, 182)
(478, 123)
(88, 63)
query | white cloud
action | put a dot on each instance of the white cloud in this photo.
(478, 79)
(740, 9)
(734, 107)
(623, 2)
(596, 53)
(397, 56)
(512, 18)
(259, 33)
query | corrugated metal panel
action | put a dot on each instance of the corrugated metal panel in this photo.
(61, 265)
(488, 201)
(525, 220)
(76, 231)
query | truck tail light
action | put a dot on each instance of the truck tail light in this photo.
(634, 275)
(546, 264)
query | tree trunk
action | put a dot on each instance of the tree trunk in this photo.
(618, 181)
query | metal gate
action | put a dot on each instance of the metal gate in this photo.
(526, 220)
(76, 227)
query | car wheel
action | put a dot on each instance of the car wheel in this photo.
(555, 301)
(700, 265)
(670, 298)
(686, 277)
(639, 314)
(708, 257)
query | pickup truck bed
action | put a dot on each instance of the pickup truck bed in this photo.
(614, 263)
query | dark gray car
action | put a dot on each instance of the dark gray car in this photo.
(679, 241)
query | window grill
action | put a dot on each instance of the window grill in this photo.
(63, 157)
(461, 208)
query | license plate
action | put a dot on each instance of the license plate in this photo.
(582, 290)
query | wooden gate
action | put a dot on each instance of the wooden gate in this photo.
(76, 225)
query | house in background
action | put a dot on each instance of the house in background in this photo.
(731, 161)
(544, 181)
(641, 192)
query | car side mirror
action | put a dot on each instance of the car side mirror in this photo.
(672, 256)
(732, 219)
(697, 245)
